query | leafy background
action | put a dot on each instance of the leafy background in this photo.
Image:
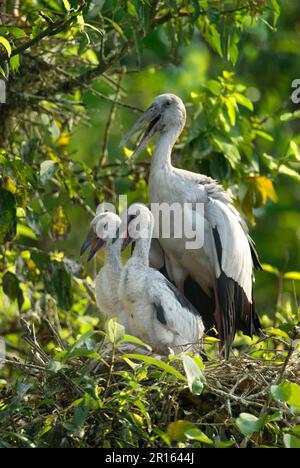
(77, 76)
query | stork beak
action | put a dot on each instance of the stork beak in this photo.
(150, 118)
(91, 241)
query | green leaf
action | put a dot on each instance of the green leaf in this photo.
(131, 9)
(231, 106)
(195, 434)
(243, 101)
(66, 5)
(15, 63)
(11, 287)
(288, 116)
(81, 340)
(214, 86)
(288, 392)
(291, 441)
(8, 218)
(156, 362)
(269, 162)
(248, 424)
(116, 27)
(115, 331)
(230, 151)
(276, 9)
(176, 430)
(18, 33)
(134, 340)
(292, 275)
(270, 269)
(194, 374)
(283, 169)
(278, 332)
(6, 45)
(294, 150)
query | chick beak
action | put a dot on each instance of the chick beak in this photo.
(91, 241)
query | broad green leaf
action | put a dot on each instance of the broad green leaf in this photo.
(288, 392)
(230, 105)
(248, 424)
(269, 162)
(11, 287)
(15, 63)
(194, 374)
(270, 269)
(81, 340)
(115, 331)
(230, 151)
(156, 362)
(291, 441)
(66, 5)
(116, 27)
(295, 150)
(134, 340)
(243, 101)
(18, 33)
(176, 430)
(278, 332)
(292, 275)
(276, 10)
(6, 45)
(131, 9)
(283, 169)
(264, 135)
(290, 116)
(195, 434)
(214, 86)
(8, 219)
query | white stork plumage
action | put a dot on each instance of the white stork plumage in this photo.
(220, 274)
(105, 233)
(160, 314)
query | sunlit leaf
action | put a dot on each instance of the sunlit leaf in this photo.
(288, 392)
(194, 374)
(248, 424)
(156, 362)
(6, 45)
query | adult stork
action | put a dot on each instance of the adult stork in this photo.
(105, 233)
(222, 270)
(161, 315)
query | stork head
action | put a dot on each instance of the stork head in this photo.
(140, 224)
(105, 230)
(166, 113)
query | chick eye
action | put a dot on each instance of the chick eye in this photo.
(168, 103)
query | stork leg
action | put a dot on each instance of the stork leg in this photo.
(218, 319)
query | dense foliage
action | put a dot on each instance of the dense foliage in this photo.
(77, 74)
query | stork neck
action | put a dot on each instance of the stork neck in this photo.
(141, 251)
(163, 150)
(113, 255)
